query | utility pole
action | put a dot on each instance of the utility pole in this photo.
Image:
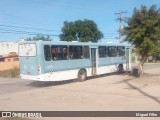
(120, 19)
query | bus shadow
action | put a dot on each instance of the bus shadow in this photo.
(107, 74)
(49, 83)
(63, 82)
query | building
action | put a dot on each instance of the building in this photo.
(8, 47)
(9, 61)
(8, 55)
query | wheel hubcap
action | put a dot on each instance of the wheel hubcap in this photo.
(82, 76)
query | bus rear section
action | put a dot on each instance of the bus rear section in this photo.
(29, 63)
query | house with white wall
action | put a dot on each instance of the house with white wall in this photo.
(8, 47)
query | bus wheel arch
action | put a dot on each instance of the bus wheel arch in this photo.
(120, 68)
(82, 75)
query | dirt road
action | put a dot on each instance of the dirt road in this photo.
(108, 93)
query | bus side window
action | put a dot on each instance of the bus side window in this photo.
(86, 52)
(59, 52)
(54, 53)
(112, 52)
(75, 52)
(70, 55)
(47, 52)
(65, 52)
(78, 52)
(102, 51)
(120, 51)
(71, 49)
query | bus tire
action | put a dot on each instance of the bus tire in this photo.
(82, 75)
(120, 68)
(136, 72)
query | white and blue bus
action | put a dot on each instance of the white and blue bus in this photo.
(50, 61)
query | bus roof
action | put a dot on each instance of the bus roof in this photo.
(77, 43)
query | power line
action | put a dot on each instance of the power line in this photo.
(11, 26)
(13, 19)
(13, 31)
(10, 29)
(30, 34)
(25, 32)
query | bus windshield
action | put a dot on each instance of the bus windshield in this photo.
(28, 50)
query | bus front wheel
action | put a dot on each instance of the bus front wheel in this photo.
(82, 75)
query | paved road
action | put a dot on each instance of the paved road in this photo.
(152, 68)
(151, 65)
(12, 85)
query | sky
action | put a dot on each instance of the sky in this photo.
(20, 19)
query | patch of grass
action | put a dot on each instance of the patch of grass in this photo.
(14, 72)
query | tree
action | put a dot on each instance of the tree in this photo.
(143, 31)
(40, 37)
(83, 31)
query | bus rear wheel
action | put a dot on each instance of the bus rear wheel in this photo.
(120, 68)
(82, 75)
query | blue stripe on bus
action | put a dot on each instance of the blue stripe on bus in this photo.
(78, 68)
(109, 64)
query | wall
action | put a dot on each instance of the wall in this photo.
(7, 47)
(8, 65)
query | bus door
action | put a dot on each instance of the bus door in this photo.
(128, 58)
(93, 61)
